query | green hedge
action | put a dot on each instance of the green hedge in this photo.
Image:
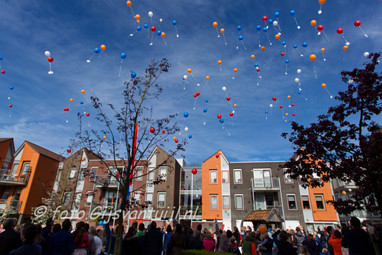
(201, 252)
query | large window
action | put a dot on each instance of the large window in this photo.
(269, 201)
(320, 201)
(138, 173)
(137, 198)
(292, 202)
(66, 198)
(161, 199)
(25, 167)
(14, 169)
(89, 197)
(6, 194)
(72, 173)
(151, 174)
(214, 202)
(163, 173)
(238, 179)
(225, 202)
(109, 198)
(287, 178)
(149, 198)
(305, 202)
(93, 174)
(225, 177)
(239, 203)
(213, 177)
(262, 178)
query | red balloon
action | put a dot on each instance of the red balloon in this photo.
(66, 109)
(163, 131)
(265, 18)
(231, 114)
(320, 27)
(283, 54)
(274, 98)
(50, 59)
(10, 106)
(357, 23)
(228, 99)
(219, 116)
(2, 71)
(292, 104)
(217, 155)
(176, 140)
(152, 130)
(340, 31)
(293, 114)
(258, 69)
(197, 93)
(281, 106)
(69, 150)
(87, 114)
(194, 171)
(153, 28)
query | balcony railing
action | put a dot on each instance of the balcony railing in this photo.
(266, 183)
(12, 206)
(7, 178)
(106, 181)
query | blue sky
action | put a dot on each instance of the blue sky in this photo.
(70, 30)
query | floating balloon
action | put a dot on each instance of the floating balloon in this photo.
(320, 27)
(357, 23)
(71, 100)
(224, 88)
(150, 13)
(321, 2)
(66, 109)
(235, 105)
(47, 53)
(189, 70)
(312, 57)
(10, 105)
(296, 80)
(185, 114)
(222, 30)
(207, 77)
(152, 130)
(366, 54)
(238, 28)
(3, 71)
(97, 50)
(214, 24)
(104, 137)
(128, 3)
(277, 36)
(345, 47)
(262, 48)
(103, 47)
(184, 77)
(186, 129)
(133, 75)
(123, 55)
(323, 85)
(219, 116)
(204, 109)
(194, 171)
(50, 59)
(298, 71)
(221, 120)
(231, 114)
(264, 18)
(228, 99)
(153, 29)
(83, 91)
(81, 102)
(274, 98)
(313, 22)
(253, 56)
(304, 44)
(87, 114)
(11, 87)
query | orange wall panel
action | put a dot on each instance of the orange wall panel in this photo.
(210, 189)
(329, 213)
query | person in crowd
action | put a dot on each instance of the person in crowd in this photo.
(329, 232)
(236, 234)
(141, 236)
(166, 239)
(266, 245)
(208, 242)
(29, 247)
(176, 244)
(304, 250)
(153, 240)
(97, 241)
(224, 240)
(299, 238)
(335, 242)
(283, 246)
(313, 245)
(61, 242)
(196, 241)
(81, 239)
(45, 234)
(248, 231)
(39, 238)
(55, 229)
(249, 245)
(373, 236)
(356, 239)
(131, 243)
(92, 248)
(9, 238)
(187, 234)
(200, 229)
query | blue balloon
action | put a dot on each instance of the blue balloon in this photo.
(138, 140)
(145, 26)
(139, 28)
(185, 114)
(1, 58)
(81, 102)
(238, 28)
(123, 55)
(101, 222)
(221, 120)
(295, 46)
(159, 124)
(204, 109)
(284, 43)
(277, 14)
(286, 61)
(256, 65)
(304, 44)
(206, 100)
(155, 133)
(240, 37)
(270, 21)
(97, 50)
(265, 29)
(299, 92)
(258, 27)
(292, 12)
(11, 87)
(266, 112)
(174, 22)
(190, 136)
(133, 75)
(159, 32)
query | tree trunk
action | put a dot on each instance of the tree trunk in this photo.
(118, 239)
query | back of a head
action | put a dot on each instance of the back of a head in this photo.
(337, 234)
(141, 227)
(153, 225)
(29, 232)
(9, 224)
(135, 225)
(49, 222)
(66, 225)
(229, 233)
(283, 235)
(355, 222)
(80, 225)
(298, 229)
(169, 229)
(178, 228)
(87, 227)
(56, 228)
(199, 227)
(208, 235)
(197, 234)
(93, 231)
(329, 229)
(310, 237)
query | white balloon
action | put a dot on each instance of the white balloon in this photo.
(198, 84)
(186, 129)
(47, 53)
(366, 54)
(298, 70)
(296, 80)
(50, 72)
(160, 20)
(350, 81)
(271, 105)
(224, 88)
(275, 23)
(185, 77)
(150, 14)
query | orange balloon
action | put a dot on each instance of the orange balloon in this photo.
(220, 153)
(103, 47)
(263, 229)
(343, 192)
(322, 49)
(277, 36)
(71, 100)
(288, 97)
(215, 24)
(222, 30)
(138, 17)
(235, 70)
(189, 70)
(138, 21)
(104, 138)
(174, 138)
(207, 78)
(128, 3)
(323, 85)
(286, 114)
(313, 22)
(312, 57)
(345, 47)
(83, 91)
(321, 1)
(219, 62)
(262, 48)
(235, 105)
(253, 56)
(163, 34)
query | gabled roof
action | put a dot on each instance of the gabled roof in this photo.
(214, 155)
(44, 151)
(267, 215)
(5, 139)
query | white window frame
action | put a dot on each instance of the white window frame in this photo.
(161, 174)
(302, 201)
(323, 201)
(164, 200)
(72, 173)
(138, 177)
(93, 177)
(229, 202)
(263, 183)
(240, 181)
(242, 201)
(151, 174)
(227, 175)
(137, 194)
(89, 196)
(295, 201)
(65, 195)
(217, 202)
(26, 166)
(287, 178)
(147, 201)
(216, 173)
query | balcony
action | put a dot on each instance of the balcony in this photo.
(9, 179)
(266, 184)
(339, 185)
(106, 181)
(278, 208)
(12, 206)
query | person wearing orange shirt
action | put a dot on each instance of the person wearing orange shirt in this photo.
(335, 242)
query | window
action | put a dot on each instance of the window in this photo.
(25, 167)
(287, 178)
(305, 202)
(58, 176)
(72, 173)
(161, 199)
(17, 194)
(93, 174)
(292, 202)
(109, 198)
(262, 178)
(225, 177)
(89, 197)
(269, 199)
(214, 202)
(225, 202)
(320, 202)
(137, 197)
(14, 169)
(149, 198)
(163, 173)
(138, 173)
(6, 194)
(237, 176)
(151, 173)
(66, 198)
(213, 177)
(239, 205)
(82, 175)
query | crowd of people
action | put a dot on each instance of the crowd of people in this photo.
(61, 239)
